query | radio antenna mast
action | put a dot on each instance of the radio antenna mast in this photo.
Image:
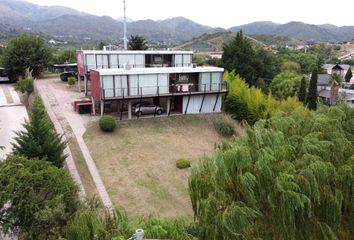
(125, 28)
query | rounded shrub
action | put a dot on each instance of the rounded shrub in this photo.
(183, 163)
(71, 81)
(224, 125)
(107, 123)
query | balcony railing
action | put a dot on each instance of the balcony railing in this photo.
(180, 89)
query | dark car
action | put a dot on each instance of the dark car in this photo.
(3, 75)
(65, 75)
(141, 108)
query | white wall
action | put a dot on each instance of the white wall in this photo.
(208, 105)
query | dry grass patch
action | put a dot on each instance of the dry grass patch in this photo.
(138, 161)
(89, 185)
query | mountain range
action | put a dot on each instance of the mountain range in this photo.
(20, 16)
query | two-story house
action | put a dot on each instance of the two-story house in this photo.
(168, 78)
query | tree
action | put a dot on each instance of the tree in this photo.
(39, 139)
(137, 43)
(312, 92)
(285, 84)
(65, 56)
(240, 56)
(101, 45)
(290, 177)
(348, 75)
(25, 85)
(289, 66)
(249, 62)
(26, 52)
(302, 91)
(35, 197)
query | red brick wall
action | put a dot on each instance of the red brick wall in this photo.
(95, 85)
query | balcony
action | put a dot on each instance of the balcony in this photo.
(162, 91)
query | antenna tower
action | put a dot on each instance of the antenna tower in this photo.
(125, 27)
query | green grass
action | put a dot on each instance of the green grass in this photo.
(137, 162)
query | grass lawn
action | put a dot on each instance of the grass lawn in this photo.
(138, 161)
(89, 185)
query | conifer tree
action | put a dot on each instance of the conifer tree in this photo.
(348, 75)
(302, 91)
(312, 93)
(39, 139)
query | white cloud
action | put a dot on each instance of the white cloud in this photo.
(220, 13)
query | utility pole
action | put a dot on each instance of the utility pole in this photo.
(125, 28)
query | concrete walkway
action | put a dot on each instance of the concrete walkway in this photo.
(64, 111)
(50, 105)
(12, 115)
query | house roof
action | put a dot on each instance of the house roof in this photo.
(160, 70)
(129, 52)
(343, 94)
(337, 67)
(323, 79)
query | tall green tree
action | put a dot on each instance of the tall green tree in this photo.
(348, 75)
(39, 139)
(35, 197)
(312, 96)
(285, 84)
(137, 42)
(240, 57)
(63, 56)
(26, 52)
(290, 177)
(250, 62)
(302, 91)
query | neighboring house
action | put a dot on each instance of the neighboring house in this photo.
(52, 41)
(323, 81)
(340, 69)
(344, 95)
(168, 78)
(217, 54)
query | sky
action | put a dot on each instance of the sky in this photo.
(220, 13)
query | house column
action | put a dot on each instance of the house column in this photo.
(85, 83)
(102, 107)
(129, 109)
(168, 105)
(93, 106)
(79, 82)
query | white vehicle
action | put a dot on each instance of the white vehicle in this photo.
(3, 75)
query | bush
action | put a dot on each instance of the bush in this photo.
(25, 85)
(71, 81)
(183, 163)
(224, 126)
(107, 123)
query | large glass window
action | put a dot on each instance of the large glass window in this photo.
(187, 60)
(215, 81)
(99, 61)
(90, 62)
(178, 60)
(123, 59)
(133, 85)
(148, 84)
(163, 83)
(113, 58)
(205, 82)
(108, 88)
(139, 61)
(105, 61)
(120, 85)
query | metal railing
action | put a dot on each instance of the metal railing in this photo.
(160, 90)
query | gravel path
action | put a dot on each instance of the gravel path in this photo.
(64, 113)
